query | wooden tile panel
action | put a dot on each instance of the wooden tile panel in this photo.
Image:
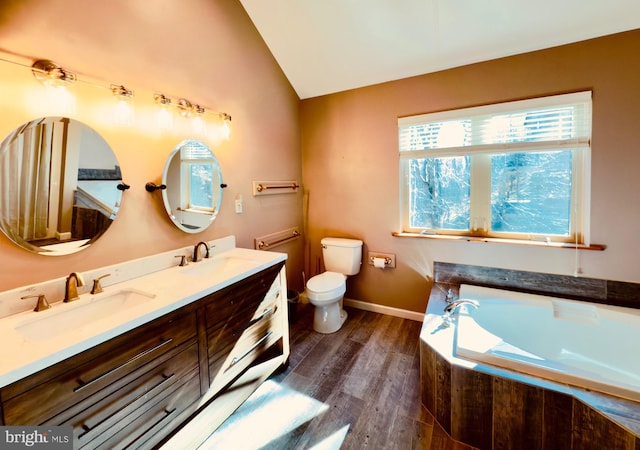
(595, 290)
(557, 416)
(471, 407)
(517, 415)
(442, 411)
(533, 282)
(428, 377)
(591, 427)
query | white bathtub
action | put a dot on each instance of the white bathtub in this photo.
(578, 343)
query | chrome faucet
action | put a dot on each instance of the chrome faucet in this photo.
(197, 247)
(71, 287)
(449, 296)
(452, 307)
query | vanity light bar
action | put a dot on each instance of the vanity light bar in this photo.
(49, 73)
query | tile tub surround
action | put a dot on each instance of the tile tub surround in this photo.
(493, 408)
(618, 293)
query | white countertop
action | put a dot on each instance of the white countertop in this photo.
(164, 291)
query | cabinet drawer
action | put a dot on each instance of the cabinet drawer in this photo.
(156, 419)
(251, 343)
(244, 353)
(271, 299)
(104, 415)
(238, 302)
(220, 345)
(38, 398)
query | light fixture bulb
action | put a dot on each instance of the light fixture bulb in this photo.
(121, 92)
(123, 112)
(185, 107)
(50, 74)
(226, 126)
(161, 99)
(198, 124)
(164, 114)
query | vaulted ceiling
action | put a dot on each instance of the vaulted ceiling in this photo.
(326, 46)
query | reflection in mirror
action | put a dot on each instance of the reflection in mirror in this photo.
(194, 192)
(60, 186)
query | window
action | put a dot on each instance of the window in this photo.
(517, 170)
(197, 165)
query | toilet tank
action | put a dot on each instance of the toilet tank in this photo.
(342, 255)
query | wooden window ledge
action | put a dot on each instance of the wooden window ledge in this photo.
(450, 237)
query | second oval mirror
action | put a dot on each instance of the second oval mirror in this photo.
(193, 181)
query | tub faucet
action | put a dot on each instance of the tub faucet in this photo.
(197, 247)
(71, 286)
(449, 296)
(451, 309)
(454, 306)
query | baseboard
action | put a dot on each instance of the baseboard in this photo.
(388, 310)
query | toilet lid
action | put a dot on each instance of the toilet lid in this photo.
(327, 281)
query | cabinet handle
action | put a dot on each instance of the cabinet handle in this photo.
(122, 366)
(88, 429)
(237, 359)
(166, 412)
(266, 312)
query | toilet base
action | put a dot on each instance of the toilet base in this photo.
(329, 318)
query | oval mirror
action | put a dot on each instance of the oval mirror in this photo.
(60, 186)
(193, 181)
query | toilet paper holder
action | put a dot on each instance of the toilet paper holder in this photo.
(389, 259)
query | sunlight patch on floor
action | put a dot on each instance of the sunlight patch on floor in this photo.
(334, 441)
(272, 411)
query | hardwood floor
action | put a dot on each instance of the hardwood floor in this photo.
(353, 389)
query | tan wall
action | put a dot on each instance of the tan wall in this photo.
(350, 165)
(204, 50)
(210, 53)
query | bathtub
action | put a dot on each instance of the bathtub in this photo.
(578, 343)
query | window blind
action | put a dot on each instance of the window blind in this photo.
(194, 150)
(535, 124)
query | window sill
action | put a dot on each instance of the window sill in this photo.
(449, 237)
(196, 211)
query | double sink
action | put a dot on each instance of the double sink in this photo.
(94, 311)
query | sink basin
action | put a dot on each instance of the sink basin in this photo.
(223, 266)
(69, 317)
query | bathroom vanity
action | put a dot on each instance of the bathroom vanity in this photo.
(183, 340)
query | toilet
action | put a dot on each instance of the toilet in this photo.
(342, 257)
